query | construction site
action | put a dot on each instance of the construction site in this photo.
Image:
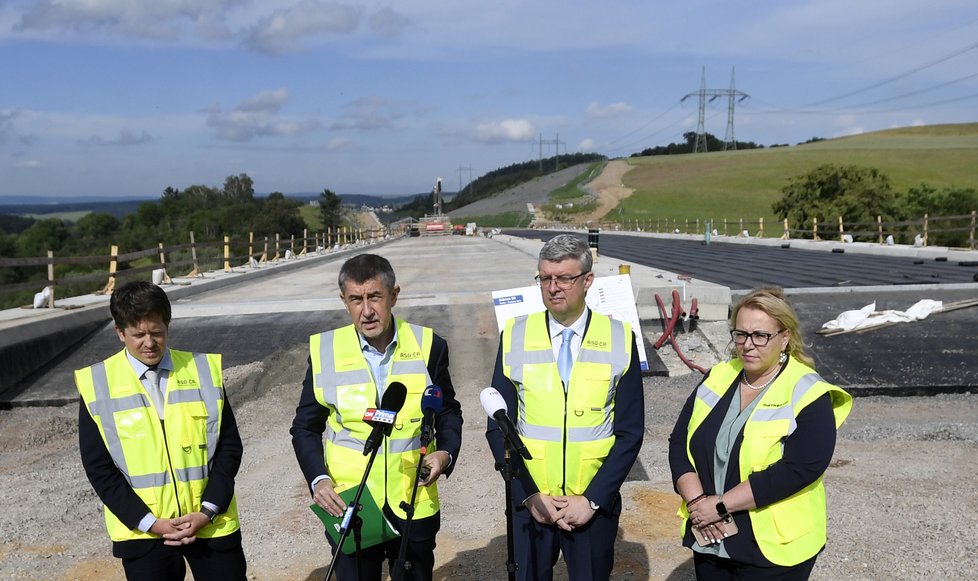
(901, 484)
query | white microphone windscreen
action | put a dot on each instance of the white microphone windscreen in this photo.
(492, 401)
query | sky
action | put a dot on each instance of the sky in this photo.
(124, 98)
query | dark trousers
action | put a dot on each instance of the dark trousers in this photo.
(218, 559)
(589, 551)
(420, 553)
(712, 568)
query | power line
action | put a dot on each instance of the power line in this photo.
(897, 77)
(703, 93)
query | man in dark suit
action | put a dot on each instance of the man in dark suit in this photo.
(161, 448)
(350, 369)
(572, 383)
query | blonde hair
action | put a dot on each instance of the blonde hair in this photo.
(772, 302)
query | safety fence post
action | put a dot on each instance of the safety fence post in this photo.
(786, 235)
(842, 232)
(195, 271)
(926, 218)
(971, 233)
(166, 276)
(760, 231)
(815, 228)
(51, 278)
(879, 227)
(113, 267)
(227, 253)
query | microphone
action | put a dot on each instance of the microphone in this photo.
(495, 406)
(382, 419)
(431, 404)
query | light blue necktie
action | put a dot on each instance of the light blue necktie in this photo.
(153, 376)
(564, 358)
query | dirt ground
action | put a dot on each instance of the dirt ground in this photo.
(609, 189)
(903, 486)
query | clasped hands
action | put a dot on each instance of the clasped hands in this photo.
(567, 512)
(704, 516)
(181, 530)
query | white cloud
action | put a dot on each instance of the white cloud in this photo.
(339, 144)
(284, 30)
(256, 117)
(586, 144)
(125, 138)
(28, 163)
(369, 113)
(389, 23)
(507, 130)
(597, 110)
(159, 19)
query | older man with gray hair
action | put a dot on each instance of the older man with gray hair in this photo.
(572, 382)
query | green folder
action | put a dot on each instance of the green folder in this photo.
(376, 528)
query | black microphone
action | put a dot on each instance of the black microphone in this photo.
(382, 419)
(495, 407)
(431, 403)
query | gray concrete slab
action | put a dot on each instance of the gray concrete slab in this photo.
(447, 283)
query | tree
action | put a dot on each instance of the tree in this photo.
(239, 188)
(857, 194)
(925, 199)
(278, 214)
(44, 235)
(330, 211)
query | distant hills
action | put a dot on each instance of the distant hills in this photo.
(40, 205)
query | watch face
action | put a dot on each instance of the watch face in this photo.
(594, 505)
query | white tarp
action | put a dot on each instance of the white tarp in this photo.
(868, 316)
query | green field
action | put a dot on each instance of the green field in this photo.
(66, 216)
(738, 185)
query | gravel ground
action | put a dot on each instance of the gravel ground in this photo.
(902, 487)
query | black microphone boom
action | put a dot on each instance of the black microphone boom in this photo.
(392, 401)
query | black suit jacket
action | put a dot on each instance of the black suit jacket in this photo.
(310, 419)
(111, 486)
(629, 428)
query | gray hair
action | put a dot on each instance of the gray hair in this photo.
(564, 246)
(364, 267)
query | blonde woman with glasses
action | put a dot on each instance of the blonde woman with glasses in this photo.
(750, 448)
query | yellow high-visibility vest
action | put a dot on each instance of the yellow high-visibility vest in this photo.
(569, 435)
(791, 530)
(342, 382)
(166, 463)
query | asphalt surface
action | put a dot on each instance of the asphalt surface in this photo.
(938, 354)
(743, 266)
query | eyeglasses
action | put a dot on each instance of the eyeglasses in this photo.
(562, 282)
(758, 338)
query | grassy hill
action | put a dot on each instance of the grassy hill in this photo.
(744, 184)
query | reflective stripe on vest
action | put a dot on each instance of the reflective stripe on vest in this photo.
(342, 383)
(568, 435)
(793, 529)
(148, 458)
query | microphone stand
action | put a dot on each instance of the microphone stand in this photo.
(509, 472)
(402, 566)
(351, 517)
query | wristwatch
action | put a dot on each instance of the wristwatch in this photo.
(210, 514)
(722, 508)
(594, 505)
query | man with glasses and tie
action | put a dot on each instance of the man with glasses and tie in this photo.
(572, 382)
(161, 448)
